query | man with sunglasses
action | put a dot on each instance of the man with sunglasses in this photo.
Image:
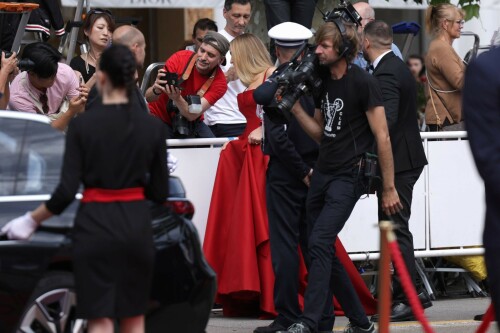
(49, 87)
(191, 76)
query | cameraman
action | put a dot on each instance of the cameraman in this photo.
(204, 78)
(8, 67)
(349, 114)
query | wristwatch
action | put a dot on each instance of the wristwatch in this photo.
(154, 92)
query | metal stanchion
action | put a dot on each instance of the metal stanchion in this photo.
(384, 282)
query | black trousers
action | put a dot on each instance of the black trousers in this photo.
(404, 182)
(227, 130)
(286, 210)
(492, 260)
(330, 201)
(201, 130)
(279, 11)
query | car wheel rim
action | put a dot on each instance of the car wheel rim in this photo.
(53, 312)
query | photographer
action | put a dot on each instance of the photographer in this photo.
(189, 75)
(8, 67)
(47, 87)
(349, 114)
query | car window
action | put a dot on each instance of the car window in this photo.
(41, 160)
(11, 142)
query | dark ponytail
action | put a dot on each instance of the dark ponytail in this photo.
(119, 63)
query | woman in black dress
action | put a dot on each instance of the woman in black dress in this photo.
(119, 155)
(98, 29)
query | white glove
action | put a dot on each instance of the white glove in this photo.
(21, 227)
(171, 162)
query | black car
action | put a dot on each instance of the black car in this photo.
(36, 280)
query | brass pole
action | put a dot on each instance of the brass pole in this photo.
(384, 274)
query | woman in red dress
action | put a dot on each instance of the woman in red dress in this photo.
(237, 238)
(236, 241)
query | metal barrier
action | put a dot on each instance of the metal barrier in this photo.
(447, 209)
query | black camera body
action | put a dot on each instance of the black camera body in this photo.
(294, 79)
(297, 78)
(23, 64)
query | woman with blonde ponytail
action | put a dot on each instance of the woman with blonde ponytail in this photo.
(445, 69)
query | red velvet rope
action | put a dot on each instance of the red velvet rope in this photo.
(412, 296)
(408, 288)
(488, 317)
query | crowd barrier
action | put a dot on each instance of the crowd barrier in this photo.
(448, 200)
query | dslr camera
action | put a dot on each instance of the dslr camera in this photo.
(296, 78)
(23, 64)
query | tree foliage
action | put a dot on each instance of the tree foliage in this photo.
(471, 7)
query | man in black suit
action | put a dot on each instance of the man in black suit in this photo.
(481, 107)
(399, 95)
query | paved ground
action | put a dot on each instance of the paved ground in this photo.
(446, 316)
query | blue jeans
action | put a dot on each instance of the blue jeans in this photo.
(330, 201)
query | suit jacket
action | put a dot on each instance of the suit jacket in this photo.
(400, 102)
(481, 105)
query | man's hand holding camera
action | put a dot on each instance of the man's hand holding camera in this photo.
(9, 65)
(159, 87)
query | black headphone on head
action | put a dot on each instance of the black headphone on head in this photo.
(346, 45)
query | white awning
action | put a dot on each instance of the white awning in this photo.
(149, 3)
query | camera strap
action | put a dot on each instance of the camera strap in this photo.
(187, 72)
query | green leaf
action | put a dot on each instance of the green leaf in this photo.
(471, 11)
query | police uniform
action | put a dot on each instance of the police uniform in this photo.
(292, 156)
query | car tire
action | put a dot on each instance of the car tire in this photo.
(52, 307)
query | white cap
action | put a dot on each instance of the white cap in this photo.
(290, 34)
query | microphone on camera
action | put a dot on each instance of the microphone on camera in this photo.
(264, 94)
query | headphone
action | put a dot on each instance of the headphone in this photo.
(346, 45)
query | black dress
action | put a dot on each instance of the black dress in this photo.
(113, 147)
(78, 64)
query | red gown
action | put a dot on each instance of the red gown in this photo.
(236, 241)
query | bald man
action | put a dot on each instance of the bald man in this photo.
(367, 15)
(132, 38)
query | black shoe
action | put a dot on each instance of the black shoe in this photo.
(271, 328)
(298, 328)
(479, 317)
(350, 328)
(425, 299)
(399, 312)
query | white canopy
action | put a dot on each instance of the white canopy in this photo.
(149, 3)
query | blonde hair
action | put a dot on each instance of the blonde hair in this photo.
(250, 56)
(434, 15)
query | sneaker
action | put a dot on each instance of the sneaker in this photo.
(271, 328)
(351, 328)
(298, 328)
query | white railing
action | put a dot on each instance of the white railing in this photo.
(447, 209)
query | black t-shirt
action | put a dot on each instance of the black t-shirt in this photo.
(343, 104)
(78, 64)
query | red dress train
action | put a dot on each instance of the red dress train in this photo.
(236, 241)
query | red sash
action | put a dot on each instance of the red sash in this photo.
(108, 195)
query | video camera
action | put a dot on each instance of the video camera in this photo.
(23, 64)
(297, 77)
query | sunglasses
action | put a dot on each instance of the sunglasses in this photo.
(98, 11)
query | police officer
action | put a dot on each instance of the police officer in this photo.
(292, 156)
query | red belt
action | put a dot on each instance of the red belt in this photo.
(108, 195)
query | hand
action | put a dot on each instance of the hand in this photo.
(77, 104)
(307, 178)
(390, 202)
(159, 85)
(173, 93)
(21, 227)
(231, 74)
(171, 162)
(255, 137)
(9, 65)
